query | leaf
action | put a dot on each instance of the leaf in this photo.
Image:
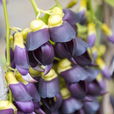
(110, 2)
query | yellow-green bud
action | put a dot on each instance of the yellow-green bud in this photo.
(36, 25)
(57, 11)
(7, 105)
(25, 33)
(18, 40)
(64, 65)
(55, 20)
(10, 78)
(50, 76)
(65, 93)
(33, 72)
(20, 78)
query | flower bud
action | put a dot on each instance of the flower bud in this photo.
(64, 65)
(91, 34)
(36, 25)
(10, 78)
(57, 11)
(108, 32)
(55, 20)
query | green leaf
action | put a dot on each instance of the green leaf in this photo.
(110, 2)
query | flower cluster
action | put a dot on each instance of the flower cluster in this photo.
(53, 70)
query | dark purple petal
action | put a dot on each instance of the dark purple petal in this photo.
(94, 88)
(91, 40)
(7, 111)
(72, 17)
(91, 107)
(70, 105)
(51, 104)
(33, 92)
(32, 60)
(36, 39)
(59, 49)
(26, 107)
(21, 60)
(45, 54)
(48, 88)
(83, 59)
(78, 90)
(63, 33)
(20, 92)
(74, 74)
(76, 47)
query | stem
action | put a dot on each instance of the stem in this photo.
(36, 10)
(7, 40)
(58, 3)
(7, 33)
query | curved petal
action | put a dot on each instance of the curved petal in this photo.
(45, 54)
(32, 60)
(59, 49)
(91, 107)
(78, 90)
(71, 105)
(20, 92)
(21, 60)
(86, 59)
(72, 17)
(36, 39)
(74, 74)
(63, 33)
(48, 89)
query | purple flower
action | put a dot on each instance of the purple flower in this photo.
(62, 33)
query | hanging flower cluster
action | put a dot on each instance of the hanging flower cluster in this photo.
(54, 70)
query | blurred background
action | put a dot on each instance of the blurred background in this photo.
(21, 14)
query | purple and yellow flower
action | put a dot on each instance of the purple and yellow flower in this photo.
(22, 98)
(38, 36)
(57, 27)
(69, 104)
(91, 34)
(108, 32)
(20, 54)
(48, 85)
(104, 69)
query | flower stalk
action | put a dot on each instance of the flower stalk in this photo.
(7, 33)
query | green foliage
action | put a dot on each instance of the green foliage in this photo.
(110, 2)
